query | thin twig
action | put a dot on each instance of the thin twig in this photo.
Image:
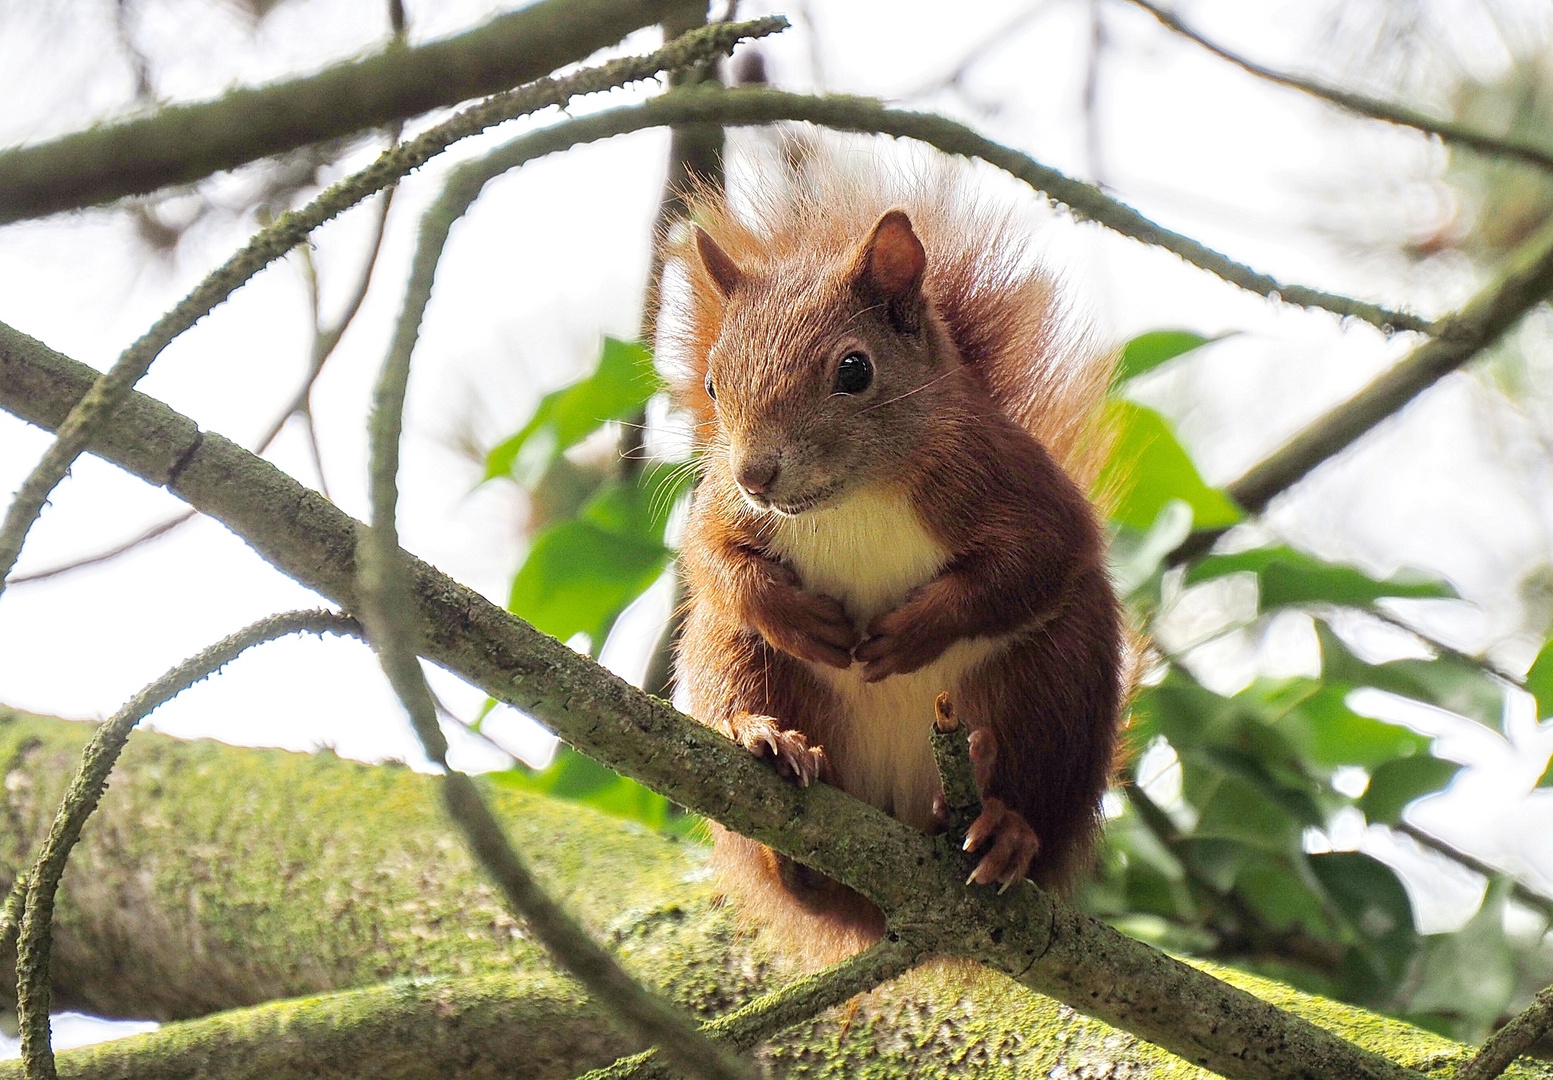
(950, 740)
(1506, 1044)
(1362, 105)
(1520, 891)
(803, 999)
(388, 609)
(11, 912)
(1462, 335)
(292, 227)
(34, 945)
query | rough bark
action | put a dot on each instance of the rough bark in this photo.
(215, 877)
(183, 143)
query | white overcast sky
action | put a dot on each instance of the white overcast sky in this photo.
(554, 257)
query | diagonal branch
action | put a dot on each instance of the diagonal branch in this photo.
(388, 609)
(34, 945)
(289, 230)
(1042, 942)
(183, 143)
(1506, 1044)
(1462, 335)
(1363, 105)
(794, 1003)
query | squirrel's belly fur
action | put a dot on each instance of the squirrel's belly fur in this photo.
(868, 550)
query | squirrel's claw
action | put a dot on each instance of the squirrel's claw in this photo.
(901, 641)
(1014, 844)
(791, 751)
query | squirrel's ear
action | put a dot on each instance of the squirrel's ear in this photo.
(891, 265)
(726, 274)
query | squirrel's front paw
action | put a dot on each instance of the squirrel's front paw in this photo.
(813, 627)
(794, 757)
(901, 641)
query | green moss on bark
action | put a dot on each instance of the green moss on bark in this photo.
(215, 877)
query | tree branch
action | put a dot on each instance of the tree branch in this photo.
(1363, 105)
(1462, 335)
(800, 1000)
(1042, 942)
(182, 143)
(387, 607)
(34, 944)
(1508, 1042)
(292, 227)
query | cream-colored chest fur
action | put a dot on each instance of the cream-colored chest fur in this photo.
(868, 550)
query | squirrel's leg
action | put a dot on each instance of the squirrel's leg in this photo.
(1010, 841)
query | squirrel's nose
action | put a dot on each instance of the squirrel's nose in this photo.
(756, 476)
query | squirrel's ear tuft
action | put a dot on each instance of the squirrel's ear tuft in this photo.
(891, 265)
(726, 274)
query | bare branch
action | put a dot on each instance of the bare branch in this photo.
(182, 143)
(1362, 105)
(1041, 941)
(1519, 890)
(1460, 336)
(1508, 1042)
(33, 991)
(796, 1002)
(388, 608)
(275, 240)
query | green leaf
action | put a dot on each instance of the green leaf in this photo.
(577, 777)
(1135, 559)
(1151, 468)
(1329, 734)
(1239, 810)
(1397, 783)
(1539, 682)
(1287, 577)
(1452, 684)
(1283, 898)
(1376, 906)
(618, 387)
(1148, 351)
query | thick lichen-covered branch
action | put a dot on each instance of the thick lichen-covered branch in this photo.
(183, 143)
(292, 227)
(35, 936)
(1390, 112)
(387, 608)
(215, 878)
(916, 880)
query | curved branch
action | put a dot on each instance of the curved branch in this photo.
(388, 608)
(275, 240)
(1041, 941)
(183, 143)
(34, 943)
(1363, 105)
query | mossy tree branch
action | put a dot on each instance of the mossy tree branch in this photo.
(292, 227)
(287, 887)
(35, 936)
(183, 143)
(1363, 105)
(915, 879)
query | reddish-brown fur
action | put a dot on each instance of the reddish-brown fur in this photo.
(995, 438)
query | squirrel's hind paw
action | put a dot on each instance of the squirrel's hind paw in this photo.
(794, 757)
(1014, 844)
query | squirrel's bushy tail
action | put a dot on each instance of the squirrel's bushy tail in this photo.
(1003, 310)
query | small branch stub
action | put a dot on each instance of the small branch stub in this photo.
(961, 801)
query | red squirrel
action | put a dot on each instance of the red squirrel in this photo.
(896, 440)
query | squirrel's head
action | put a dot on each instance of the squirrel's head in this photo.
(816, 372)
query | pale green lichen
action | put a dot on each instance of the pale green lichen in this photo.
(215, 877)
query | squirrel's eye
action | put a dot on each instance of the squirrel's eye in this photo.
(711, 390)
(853, 374)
